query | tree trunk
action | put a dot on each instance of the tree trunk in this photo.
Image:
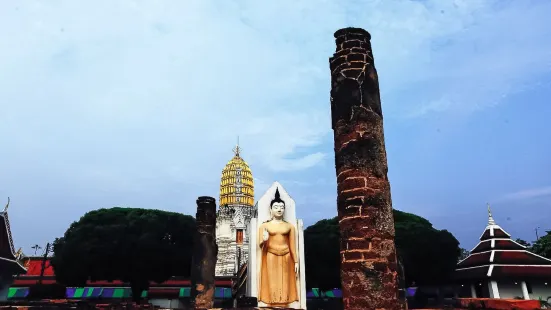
(368, 255)
(137, 287)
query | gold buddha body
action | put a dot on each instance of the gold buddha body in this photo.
(279, 261)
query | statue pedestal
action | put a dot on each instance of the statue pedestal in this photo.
(255, 254)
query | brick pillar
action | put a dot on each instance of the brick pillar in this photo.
(204, 254)
(369, 266)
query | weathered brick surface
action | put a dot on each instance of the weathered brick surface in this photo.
(369, 267)
(204, 254)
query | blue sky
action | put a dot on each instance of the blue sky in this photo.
(139, 103)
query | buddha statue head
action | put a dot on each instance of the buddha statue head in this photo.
(277, 207)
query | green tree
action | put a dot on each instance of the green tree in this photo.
(463, 254)
(542, 246)
(136, 246)
(429, 255)
(322, 257)
(523, 242)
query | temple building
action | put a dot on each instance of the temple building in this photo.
(169, 294)
(236, 207)
(499, 267)
(10, 260)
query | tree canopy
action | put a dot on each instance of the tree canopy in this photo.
(429, 255)
(136, 246)
(464, 253)
(523, 242)
(542, 246)
(322, 257)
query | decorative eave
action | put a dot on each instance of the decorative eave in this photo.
(11, 267)
(503, 271)
(9, 251)
(9, 258)
(518, 257)
(497, 244)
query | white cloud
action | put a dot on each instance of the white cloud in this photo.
(528, 194)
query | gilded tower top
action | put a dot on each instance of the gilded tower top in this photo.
(237, 185)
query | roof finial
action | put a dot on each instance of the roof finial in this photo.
(7, 205)
(237, 149)
(490, 218)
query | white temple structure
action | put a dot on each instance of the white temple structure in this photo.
(236, 207)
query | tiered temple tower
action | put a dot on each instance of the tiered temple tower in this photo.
(236, 209)
(499, 267)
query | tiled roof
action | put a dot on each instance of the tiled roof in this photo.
(482, 246)
(507, 244)
(34, 265)
(477, 259)
(494, 231)
(521, 257)
(497, 244)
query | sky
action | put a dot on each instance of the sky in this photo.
(139, 104)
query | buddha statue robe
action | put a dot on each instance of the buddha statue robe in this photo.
(278, 286)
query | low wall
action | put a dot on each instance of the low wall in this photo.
(498, 304)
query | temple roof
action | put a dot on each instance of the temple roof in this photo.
(497, 255)
(7, 250)
(34, 267)
(8, 255)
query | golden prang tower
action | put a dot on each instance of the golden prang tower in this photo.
(237, 185)
(234, 214)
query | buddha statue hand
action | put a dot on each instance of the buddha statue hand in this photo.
(265, 235)
(296, 270)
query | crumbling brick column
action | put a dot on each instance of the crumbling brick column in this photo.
(204, 254)
(369, 266)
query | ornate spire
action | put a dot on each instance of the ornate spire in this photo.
(237, 149)
(237, 185)
(490, 218)
(7, 205)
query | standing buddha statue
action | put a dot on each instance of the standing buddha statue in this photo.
(279, 261)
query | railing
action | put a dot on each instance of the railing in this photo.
(239, 285)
